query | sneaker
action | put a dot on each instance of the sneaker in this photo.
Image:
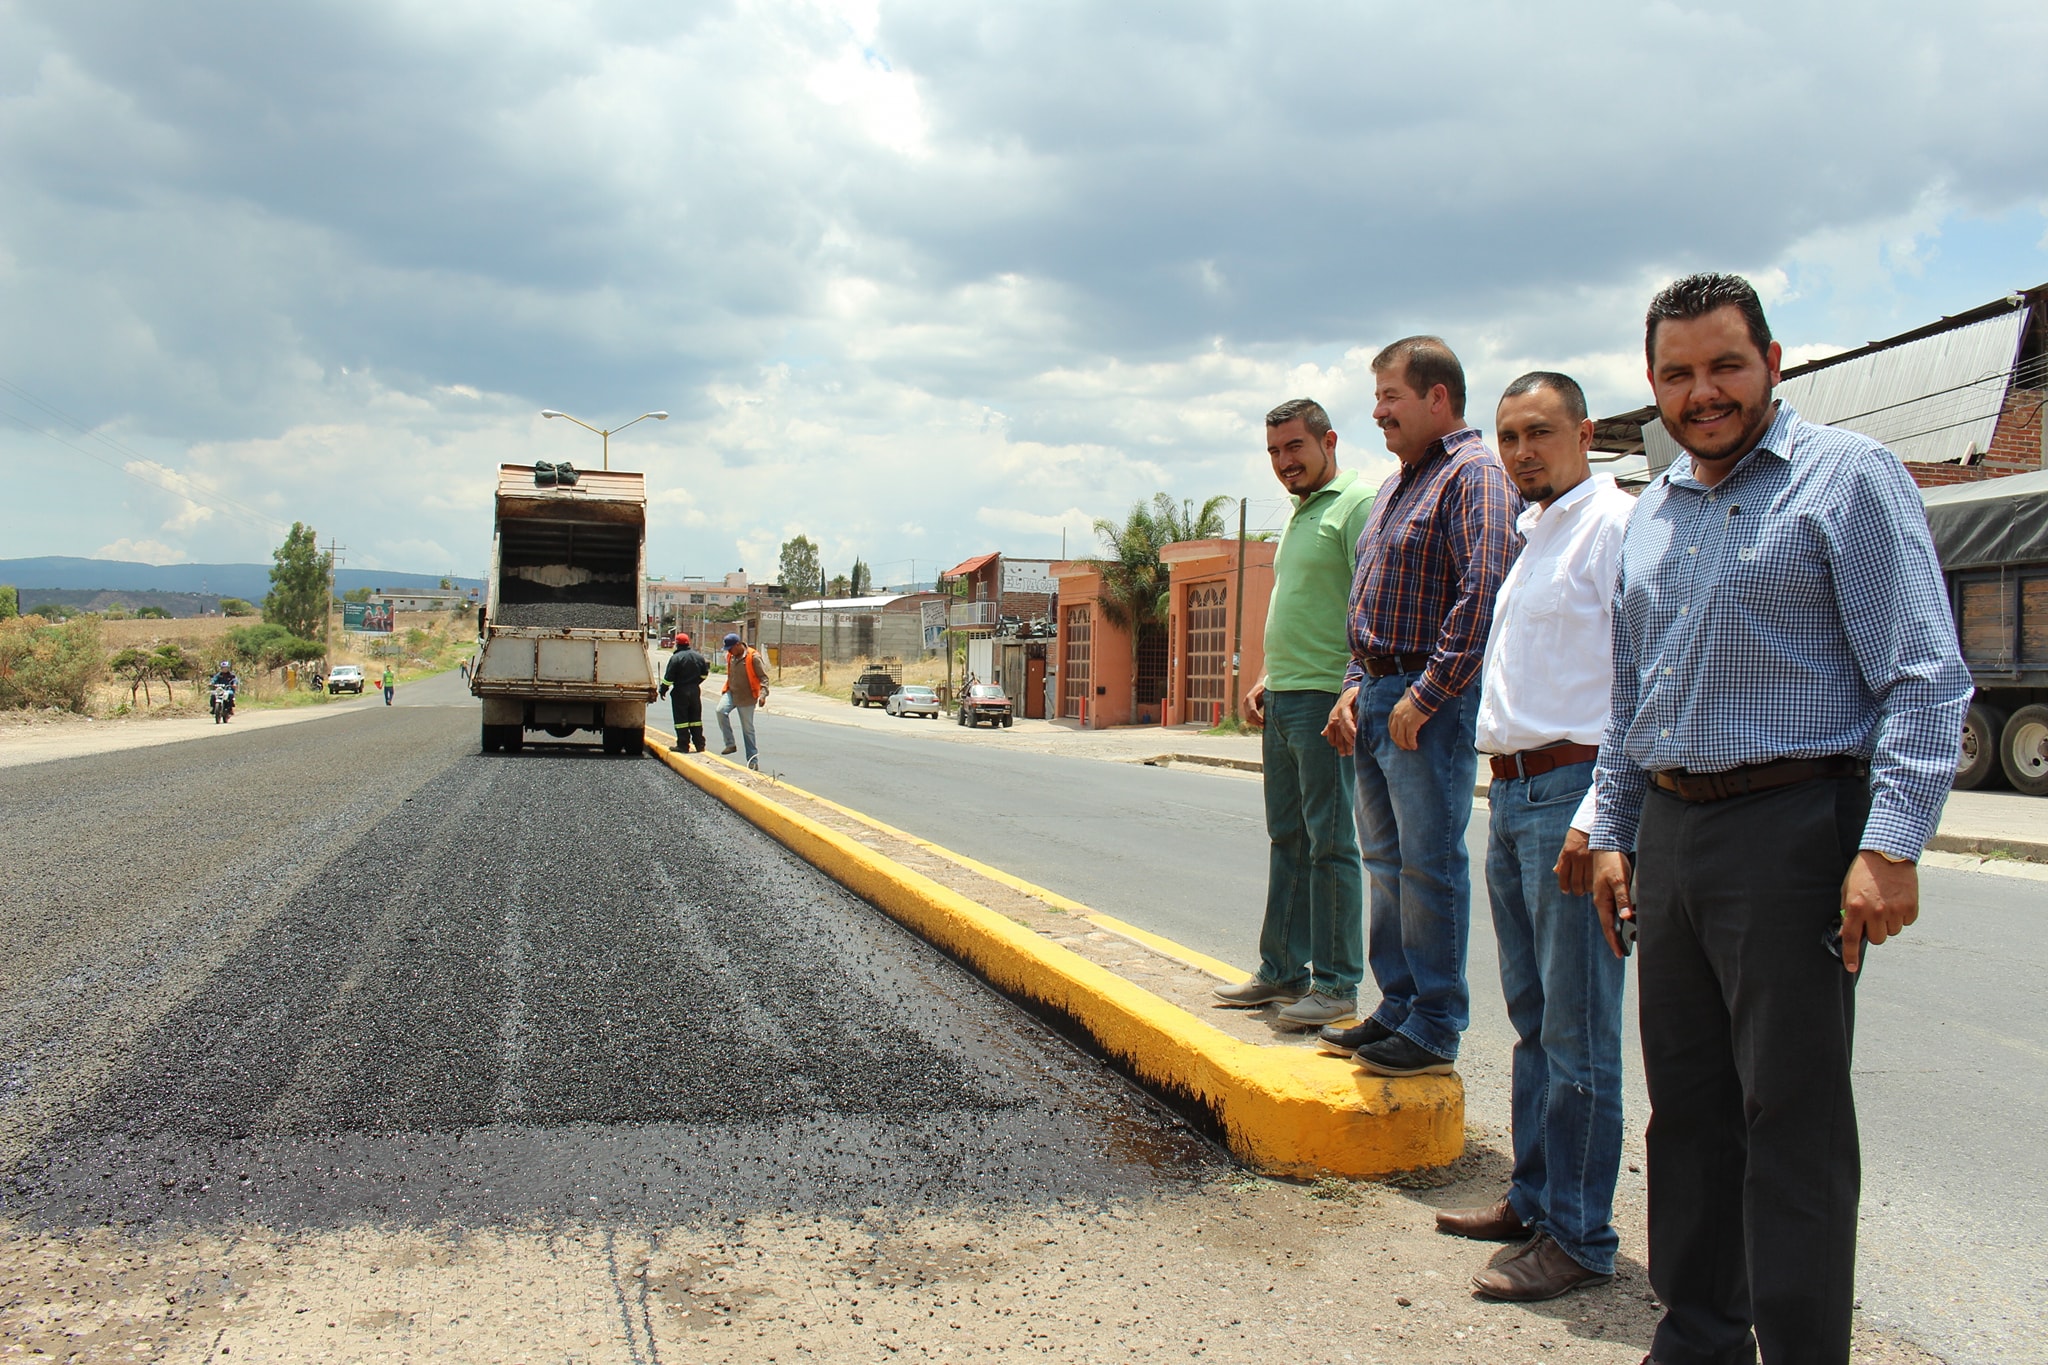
(1315, 1009)
(730, 749)
(1396, 1056)
(1342, 1042)
(755, 764)
(1257, 991)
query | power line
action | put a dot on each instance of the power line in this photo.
(227, 506)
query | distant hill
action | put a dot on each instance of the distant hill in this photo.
(250, 581)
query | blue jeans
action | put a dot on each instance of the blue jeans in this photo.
(1412, 811)
(1314, 928)
(725, 710)
(1563, 989)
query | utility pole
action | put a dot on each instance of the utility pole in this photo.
(1237, 616)
(327, 616)
(821, 624)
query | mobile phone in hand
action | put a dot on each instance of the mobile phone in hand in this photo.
(1625, 933)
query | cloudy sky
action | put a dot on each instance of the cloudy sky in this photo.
(919, 279)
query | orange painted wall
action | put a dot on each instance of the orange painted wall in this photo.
(1110, 664)
(1198, 563)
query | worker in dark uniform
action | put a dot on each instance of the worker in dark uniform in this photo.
(685, 674)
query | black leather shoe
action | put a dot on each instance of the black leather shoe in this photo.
(1343, 1042)
(1396, 1056)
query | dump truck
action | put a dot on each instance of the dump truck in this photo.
(1993, 541)
(563, 635)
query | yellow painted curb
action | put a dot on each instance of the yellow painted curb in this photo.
(1282, 1110)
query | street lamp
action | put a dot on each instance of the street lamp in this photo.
(607, 435)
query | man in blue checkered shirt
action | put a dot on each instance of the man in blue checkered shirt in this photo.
(1787, 709)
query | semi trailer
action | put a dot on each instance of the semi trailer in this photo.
(563, 634)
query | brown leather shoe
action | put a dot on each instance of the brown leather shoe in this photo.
(1495, 1224)
(1540, 1270)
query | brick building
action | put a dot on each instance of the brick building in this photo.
(1180, 671)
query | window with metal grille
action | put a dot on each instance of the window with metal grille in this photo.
(1208, 659)
(1153, 652)
(1074, 671)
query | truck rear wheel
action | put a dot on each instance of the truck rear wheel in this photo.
(1977, 765)
(2023, 750)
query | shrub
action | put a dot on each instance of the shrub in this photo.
(235, 606)
(49, 663)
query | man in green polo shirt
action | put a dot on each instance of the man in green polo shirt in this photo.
(1312, 948)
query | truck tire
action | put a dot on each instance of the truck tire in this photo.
(633, 741)
(1977, 765)
(515, 738)
(490, 739)
(2023, 750)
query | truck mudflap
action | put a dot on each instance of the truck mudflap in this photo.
(579, 667)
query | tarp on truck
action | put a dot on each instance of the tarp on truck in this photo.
(1989, 523)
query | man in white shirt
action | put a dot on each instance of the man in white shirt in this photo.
(1543, 705)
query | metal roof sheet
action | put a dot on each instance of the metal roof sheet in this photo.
(1930, 399)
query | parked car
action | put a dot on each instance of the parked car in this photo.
(874, 688)
(345, 678)
(913, 700)
(984, 702)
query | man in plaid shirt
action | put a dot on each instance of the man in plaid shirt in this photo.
(1441, 539)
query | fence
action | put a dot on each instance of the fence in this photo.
(849, 636)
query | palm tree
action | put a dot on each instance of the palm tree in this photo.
(1136, 590)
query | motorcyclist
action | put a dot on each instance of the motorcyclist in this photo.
(225, 676)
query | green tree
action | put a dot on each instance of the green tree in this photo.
(837, 587)
(270, 646)
(859, 582)
(152, 614)
(356, 595)
(298, 584)
(10, 601)
(235, 606)
(799, 567)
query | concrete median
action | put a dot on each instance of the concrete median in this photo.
(1284, 1111)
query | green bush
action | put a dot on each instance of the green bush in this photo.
(10, 602)
(49, 663)
(235, 606)
(269, 646)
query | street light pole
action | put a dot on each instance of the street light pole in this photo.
(605, 435)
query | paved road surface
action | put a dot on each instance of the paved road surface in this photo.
(1952, 1045)
(353, 970)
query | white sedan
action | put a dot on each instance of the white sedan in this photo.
(913, 700)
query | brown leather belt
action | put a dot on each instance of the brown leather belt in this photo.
(1386, 665)
(1755, 777)
(1536, 762)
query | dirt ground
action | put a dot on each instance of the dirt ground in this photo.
(1239, 1269)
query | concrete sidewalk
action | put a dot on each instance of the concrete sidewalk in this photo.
(1974, 825)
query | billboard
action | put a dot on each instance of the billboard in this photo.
(1029, 575)
(366, 618)
(933, 616)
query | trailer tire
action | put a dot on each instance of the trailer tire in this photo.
(490, 739)
(633, 741)
(2023, 750)
(1978, 765)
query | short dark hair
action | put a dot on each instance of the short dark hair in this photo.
(1695, 296)
(1563, 385)
(1425, 363)
(1313, 418)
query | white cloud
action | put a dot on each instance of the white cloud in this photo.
(911, 277)
(141, 552)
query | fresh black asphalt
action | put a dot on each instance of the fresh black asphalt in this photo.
(467, 989)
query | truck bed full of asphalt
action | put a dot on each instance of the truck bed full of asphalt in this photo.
(355, 970)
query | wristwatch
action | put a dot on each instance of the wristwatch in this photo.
(1892, 857)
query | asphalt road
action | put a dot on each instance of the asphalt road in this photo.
(1952, 1042)
(353, 970)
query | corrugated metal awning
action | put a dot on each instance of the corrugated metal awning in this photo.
(1932, 399)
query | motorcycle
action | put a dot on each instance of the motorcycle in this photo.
(223, 703)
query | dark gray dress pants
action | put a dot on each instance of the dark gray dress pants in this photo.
(1747, 1019)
